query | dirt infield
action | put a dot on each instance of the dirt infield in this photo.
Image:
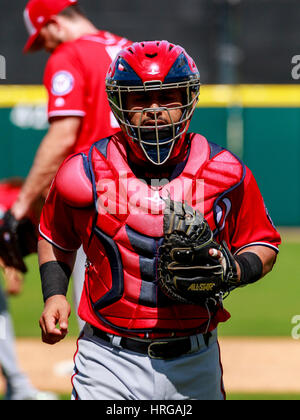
(290, 234)
(250, 364)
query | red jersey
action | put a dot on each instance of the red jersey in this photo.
(75, 80)
(8, 195)
(229, 195)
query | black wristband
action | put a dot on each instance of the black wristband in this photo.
(55, 276)
(251, 267)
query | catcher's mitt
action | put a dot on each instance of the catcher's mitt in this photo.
(17, 239)
(187, 272)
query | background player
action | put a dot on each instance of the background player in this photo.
(74, 77)
(138, 343)
(18, 385)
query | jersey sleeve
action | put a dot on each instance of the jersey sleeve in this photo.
(253, 225)
(64, 81)
(57, 223)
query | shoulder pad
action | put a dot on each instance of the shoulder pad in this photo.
(73, 182)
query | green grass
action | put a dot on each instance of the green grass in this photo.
(232, 397)
(265, 308)
(63, 397)
(263, 397)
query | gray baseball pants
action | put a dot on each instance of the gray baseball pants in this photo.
(103, 371)
(17, 383)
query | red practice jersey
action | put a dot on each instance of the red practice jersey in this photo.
(8, 195)
(9, 192)
(75, 80)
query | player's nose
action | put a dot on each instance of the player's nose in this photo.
(155, 104)
(154, 110)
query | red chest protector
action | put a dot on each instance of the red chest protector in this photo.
(128, 230)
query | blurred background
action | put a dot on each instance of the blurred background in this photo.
(232, 41)
(248, 54)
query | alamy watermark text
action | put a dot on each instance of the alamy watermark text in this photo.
(296, 67)
(2, 67)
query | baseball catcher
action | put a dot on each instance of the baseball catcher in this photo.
(160, 255)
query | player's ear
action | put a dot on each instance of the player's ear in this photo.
(54, 26)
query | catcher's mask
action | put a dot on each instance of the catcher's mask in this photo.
(146, 67)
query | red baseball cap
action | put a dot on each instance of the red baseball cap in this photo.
(37, 13)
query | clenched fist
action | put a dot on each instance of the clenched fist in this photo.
(54, 319)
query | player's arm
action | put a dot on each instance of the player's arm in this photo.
(54, 148)
(252, 263)
(56, 267)
(60, 239)
(266, 255)
(254, 240)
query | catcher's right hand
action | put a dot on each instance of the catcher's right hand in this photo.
(188, 271)
(17, 239)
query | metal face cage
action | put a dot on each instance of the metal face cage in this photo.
(159, 147)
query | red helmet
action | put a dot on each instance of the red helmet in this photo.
(154, 66)
(37, 14)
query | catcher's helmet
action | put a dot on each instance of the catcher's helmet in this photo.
(148, 66)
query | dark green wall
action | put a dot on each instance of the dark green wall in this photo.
(18, 146)
(271, 149)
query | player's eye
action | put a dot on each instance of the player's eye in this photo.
(170, 97)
